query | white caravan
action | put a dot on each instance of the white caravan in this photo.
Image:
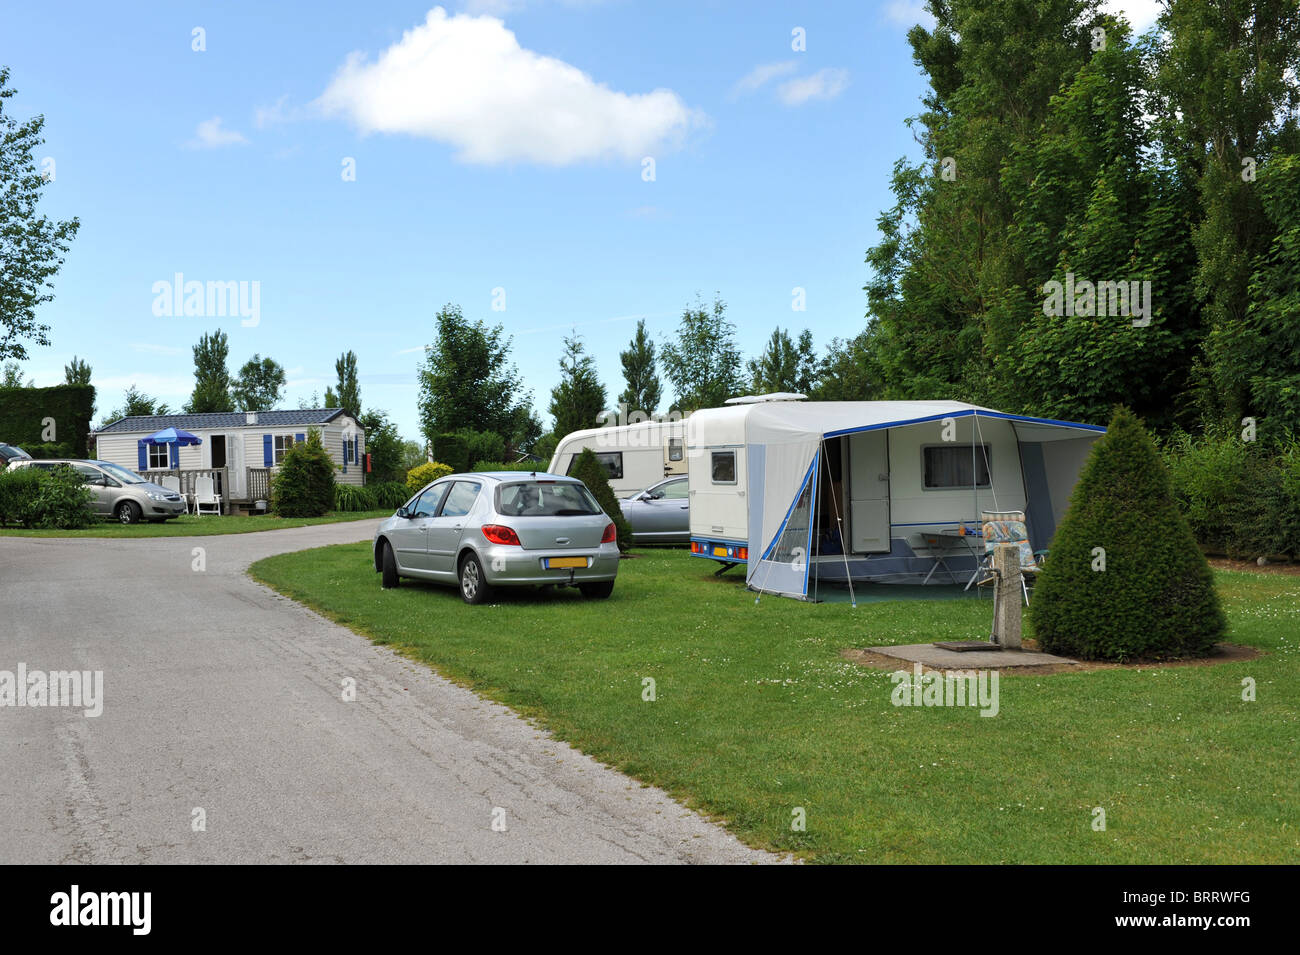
(888, 491)
(634, 455)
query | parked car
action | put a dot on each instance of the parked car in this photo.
(500, 529)
(9, 452)
(116, 492)
(661, 514)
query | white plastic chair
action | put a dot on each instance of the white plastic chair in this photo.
(172, 483)
(206, 496)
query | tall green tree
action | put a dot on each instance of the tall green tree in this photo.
(211, 377)
(32, 246)
(347, 394)
(1229, 97)
(384, 445)
(259, 385)
(578, 401)
(467, 380)
(785, 365)
(703, 362)
(642, 390)
(136, 403)
(848, 371)
(76, 372)
(11, 376)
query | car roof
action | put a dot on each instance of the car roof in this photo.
(503, 477)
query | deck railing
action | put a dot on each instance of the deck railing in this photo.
(259, 484)
(188, 477)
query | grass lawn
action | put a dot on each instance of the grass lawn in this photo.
(757, 713)
(190, 525)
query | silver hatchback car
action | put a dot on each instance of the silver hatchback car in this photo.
(117, 493)
(500, 529)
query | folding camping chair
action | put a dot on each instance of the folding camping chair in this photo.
(1008, 527)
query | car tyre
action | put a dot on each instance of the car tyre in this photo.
(597, 591)
(474, 586)
(128, 512)
(390, 578)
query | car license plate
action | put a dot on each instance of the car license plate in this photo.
(558, 563)
(719, 552)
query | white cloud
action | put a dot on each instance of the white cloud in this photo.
(909, 13)
(211, 135)
(277, 112)
(466, 81)
(761, 74)
(826, 83)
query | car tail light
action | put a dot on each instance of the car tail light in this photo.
(742, 553)
(500, 534)
(610, 535)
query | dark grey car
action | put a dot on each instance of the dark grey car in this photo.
(661, 514)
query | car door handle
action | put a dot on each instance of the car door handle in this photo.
(686, 507)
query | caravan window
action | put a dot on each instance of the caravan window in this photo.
(674, 449)
(949, 466)
(158, 457)
(724, 467)
(612, 461)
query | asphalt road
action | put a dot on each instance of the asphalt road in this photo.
(222, 697)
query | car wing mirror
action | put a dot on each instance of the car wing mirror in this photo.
(403, 512)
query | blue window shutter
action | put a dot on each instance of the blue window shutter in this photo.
(268, 451)
(175, 455)
(142, 455)
(345, 455)
(299, 438)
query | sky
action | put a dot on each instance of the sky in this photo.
(554, 166)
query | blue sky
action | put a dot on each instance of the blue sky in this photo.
(498, 144)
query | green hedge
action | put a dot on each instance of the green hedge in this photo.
(23, 414)
(1241, 498)
(511, 466)
(31, 497)
(452, 450)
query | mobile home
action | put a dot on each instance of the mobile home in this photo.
(239, 450)
(634, 455)
(889, 491)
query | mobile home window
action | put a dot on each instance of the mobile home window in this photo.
(724, 467)
(158, 457)
(674, 449)
(949, 466)
(612, 461)
(283, 442)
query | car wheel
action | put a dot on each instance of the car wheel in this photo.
(597, 591)
(390, 578)
(128, 512)
(474, 587)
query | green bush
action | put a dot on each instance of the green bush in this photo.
(418, 477)
(304, 485)
(349, 497)
(454, 450)
(390, 494)
(1154, 599)
(484, 446)
(64, 500)
(20, 488)
(1240, 498)
(592, 473)
(30, 497)
(49, 449)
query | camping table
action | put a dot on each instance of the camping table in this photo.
(947, 541)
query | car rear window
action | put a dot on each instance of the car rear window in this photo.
(545, 499)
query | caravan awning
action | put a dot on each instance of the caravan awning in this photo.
(783, 441)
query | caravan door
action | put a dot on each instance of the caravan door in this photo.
(868, 480)
(238, 490)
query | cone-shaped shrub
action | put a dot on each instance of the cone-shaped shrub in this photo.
(591, 472)
(1125, 579)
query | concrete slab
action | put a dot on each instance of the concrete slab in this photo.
(927, 654)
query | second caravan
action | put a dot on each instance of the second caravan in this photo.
(634, 455)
